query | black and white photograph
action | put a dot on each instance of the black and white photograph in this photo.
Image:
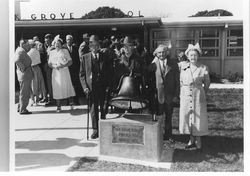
(129, 85)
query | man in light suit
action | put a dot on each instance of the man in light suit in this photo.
(95, 80)
(24, 75)
(167, 85)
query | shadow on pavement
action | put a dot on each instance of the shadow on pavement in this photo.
(27, 161)
(59, 143)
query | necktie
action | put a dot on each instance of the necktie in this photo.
(98, 63)
(163, 67)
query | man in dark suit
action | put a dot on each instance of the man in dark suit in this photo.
(95, 80)
(24, 75)
(48, 47)
(167, 85)
(74, 68)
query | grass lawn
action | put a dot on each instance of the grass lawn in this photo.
(222, 148)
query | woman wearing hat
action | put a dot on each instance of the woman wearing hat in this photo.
(194, 81)
(59, 60)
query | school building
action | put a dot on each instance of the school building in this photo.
(221, 38)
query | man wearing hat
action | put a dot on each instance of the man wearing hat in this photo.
(95, 80)
(167, 84)
(129, 61)
(84, 47)
(48, 82)
(74, 68)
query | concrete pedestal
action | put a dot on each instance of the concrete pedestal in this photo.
(132, 136)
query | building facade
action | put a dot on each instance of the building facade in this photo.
(221, 38)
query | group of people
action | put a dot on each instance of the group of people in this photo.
(95, 69)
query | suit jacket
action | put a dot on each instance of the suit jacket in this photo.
(75, 67)
(84, 50)
(86, 75)
(23, 64)
(168, 84)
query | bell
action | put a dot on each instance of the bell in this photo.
(129, 96)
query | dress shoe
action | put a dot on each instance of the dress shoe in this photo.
(34, 104)
(94, 135)
(167, 138)
(58, 109)
(49, 103)
(171, 140)
(25, 112)
(189, 146)
(42, 101)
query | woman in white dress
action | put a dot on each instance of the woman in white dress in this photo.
(59, 60)
(194, 82)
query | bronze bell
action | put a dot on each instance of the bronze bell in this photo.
(130, 95)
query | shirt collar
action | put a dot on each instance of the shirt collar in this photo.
(95, 54)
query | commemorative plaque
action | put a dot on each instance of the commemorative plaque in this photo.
(128, 134)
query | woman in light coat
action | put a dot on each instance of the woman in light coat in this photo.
(194, 82)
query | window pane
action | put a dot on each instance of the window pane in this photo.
(209, 43)
(210, 52)
(164, 42)
(209, 33)
(234, 42)
(235, 32)
(162, 34)
(235, 52)
(183, 43)
(185, 34)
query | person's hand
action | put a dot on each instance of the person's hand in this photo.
(107, 89)
(82, 45)
(87, 91)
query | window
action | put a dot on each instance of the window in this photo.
(235, 42)
(209, 33)
(162, 37)
(209, 42)
(183, 38)
(162, 34)
(183, 43)
(164, 42)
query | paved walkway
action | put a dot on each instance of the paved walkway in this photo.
(50, 141)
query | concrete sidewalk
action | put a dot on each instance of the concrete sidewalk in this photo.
(50, 141)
